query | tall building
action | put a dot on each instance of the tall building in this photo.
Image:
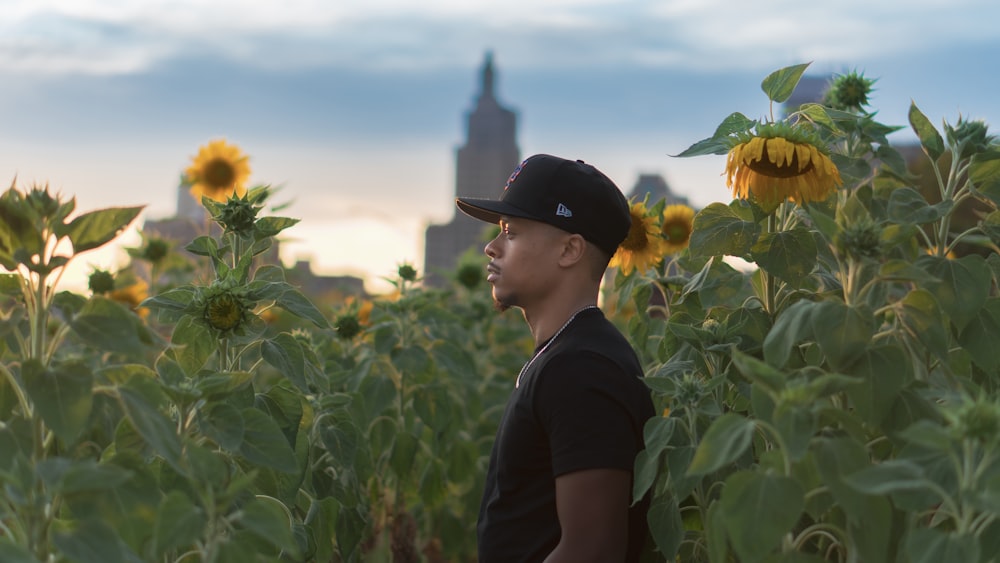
(482, 166)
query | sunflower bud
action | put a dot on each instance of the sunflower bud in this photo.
(978, 421)
(969, 137)
(156, 249)
(347, 326)
(42, 202)
(469, 275)
(848, 92)
(101, 281)
(407, 272)
(860, 240)
(224, 311)
(238, 216)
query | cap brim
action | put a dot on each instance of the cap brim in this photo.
(489, 210)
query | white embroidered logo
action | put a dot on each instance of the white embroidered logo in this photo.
(563, 211)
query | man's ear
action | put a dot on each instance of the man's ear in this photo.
(574, 247)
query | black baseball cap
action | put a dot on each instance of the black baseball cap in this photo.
(569, 194)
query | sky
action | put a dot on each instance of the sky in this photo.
(355, 107)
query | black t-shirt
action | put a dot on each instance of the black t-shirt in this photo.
(581, 404)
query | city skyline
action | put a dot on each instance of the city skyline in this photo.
(357, 109)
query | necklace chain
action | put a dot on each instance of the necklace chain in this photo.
(517, 382)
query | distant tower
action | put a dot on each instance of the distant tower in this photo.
(483, 164)
(653, 188)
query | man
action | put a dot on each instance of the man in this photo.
(560, 477)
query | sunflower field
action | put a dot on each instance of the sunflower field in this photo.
(822, 350)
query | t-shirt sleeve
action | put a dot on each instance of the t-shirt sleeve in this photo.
(582, 401)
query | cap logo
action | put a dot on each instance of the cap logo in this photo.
(513, 175)
(563, 211)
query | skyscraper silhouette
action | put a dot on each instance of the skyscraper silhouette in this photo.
(482, 166)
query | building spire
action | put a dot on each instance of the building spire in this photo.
(487, 93)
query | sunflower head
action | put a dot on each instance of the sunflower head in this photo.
(780, 162)
(643, 247)
(678, 223)
(225, 311)
(218, 171)
(849, 92)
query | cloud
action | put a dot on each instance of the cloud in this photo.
(124, 36)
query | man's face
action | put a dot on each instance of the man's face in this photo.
(523, 261)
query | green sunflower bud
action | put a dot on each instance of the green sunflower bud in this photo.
(407, 272)
(156, 250)
(224, 312)
(347, 326)
(969, 137)
(469, 275)
(101, 282)
(238, 216)
(849, 92)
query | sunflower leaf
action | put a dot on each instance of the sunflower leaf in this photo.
(96, 228)
(929, 137)
(780, 84)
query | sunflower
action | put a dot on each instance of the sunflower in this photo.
(780, 163)
(643, 248)
(217, 171)
(678, 222)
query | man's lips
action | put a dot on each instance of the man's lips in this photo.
(492, 272)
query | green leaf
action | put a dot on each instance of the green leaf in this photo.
(155, 428)
(889, 477)
(270, 226)
(204, 245)
(265, 444)
(61, 394)
(13, 553)
(340, 436)
(932, 545)
(284, 353)
(883, 370)
(793, 325)
(224, 424)
(780, 84)
(433, 483)
(91, 541)
(962, 285)
(656, 436)
(760, 373)
(979, 337)
(903, 271)
(666, 525)
(107, 325)
(96, 228)
(269, 519)
(788, 255)
(908, 206)
(842, 331)
(401, 456)
(758, 510)
(721, 230)
(179, 523)
(72, 476)
(929, 137)
(195, 343)
(725, 441)
(719, 142)
(293, 301)
(433, 404)
(920, 315)
(984, 174)
(717, 285)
